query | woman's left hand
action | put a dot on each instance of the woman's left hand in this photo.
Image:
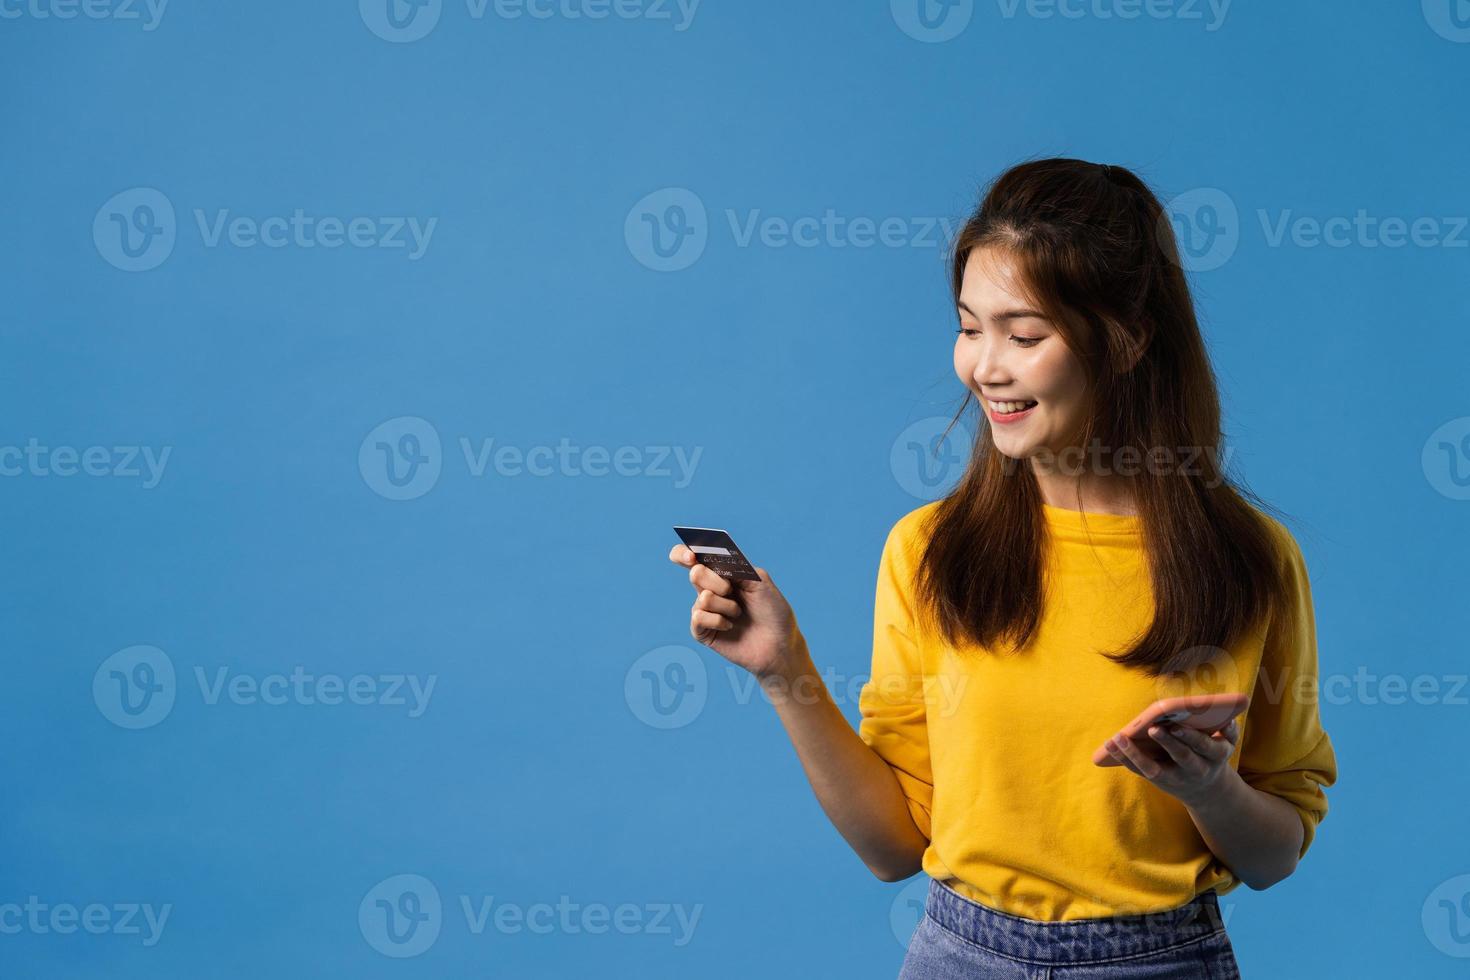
(1195, 764)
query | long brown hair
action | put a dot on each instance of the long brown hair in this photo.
(1096, 253)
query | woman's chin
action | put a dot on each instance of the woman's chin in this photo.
(1015, 449)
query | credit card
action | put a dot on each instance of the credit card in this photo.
(716, 550)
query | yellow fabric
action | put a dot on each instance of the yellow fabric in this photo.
(994, 752)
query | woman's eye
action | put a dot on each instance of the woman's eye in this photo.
(973, 332)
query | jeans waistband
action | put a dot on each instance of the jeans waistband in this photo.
(1074, 940)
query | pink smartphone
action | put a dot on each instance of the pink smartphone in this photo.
(1204, 712)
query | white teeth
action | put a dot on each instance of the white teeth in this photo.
(1007, 408)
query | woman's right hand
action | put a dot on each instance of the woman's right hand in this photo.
(750, 624)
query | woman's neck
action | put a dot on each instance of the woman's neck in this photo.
(1095, 495)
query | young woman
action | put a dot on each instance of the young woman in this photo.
(1093, 559)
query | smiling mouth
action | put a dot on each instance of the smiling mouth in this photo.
(1010, 408)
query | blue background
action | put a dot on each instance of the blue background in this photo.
(533, 317)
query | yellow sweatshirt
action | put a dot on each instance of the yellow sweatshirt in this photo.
(994, 754)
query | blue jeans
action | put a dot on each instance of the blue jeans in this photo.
(959, 939)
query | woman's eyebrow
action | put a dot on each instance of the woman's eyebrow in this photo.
(1019, 314)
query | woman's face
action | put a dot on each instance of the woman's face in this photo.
(1008, 352)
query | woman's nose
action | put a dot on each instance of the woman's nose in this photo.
(990, 370)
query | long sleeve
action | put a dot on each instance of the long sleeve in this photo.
(1284, 749)
(894, 722)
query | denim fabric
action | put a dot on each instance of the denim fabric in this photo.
(959, 939)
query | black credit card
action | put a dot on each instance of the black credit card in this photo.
(716, 550)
